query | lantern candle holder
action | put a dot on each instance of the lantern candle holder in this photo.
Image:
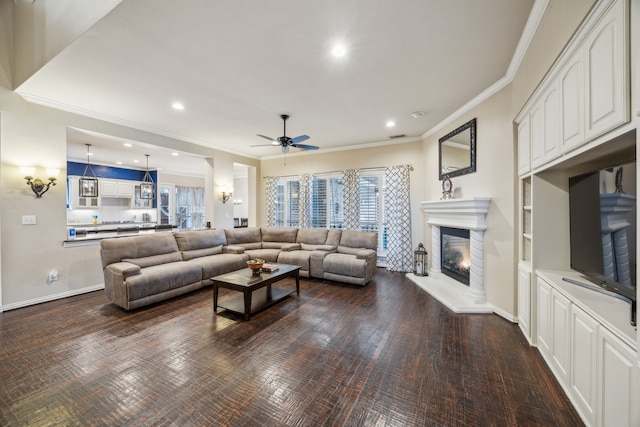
(420, 257)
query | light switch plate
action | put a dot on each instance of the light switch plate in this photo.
(28, 219)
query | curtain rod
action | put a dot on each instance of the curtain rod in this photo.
(323, 173)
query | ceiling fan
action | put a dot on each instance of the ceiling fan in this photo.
(285, 142)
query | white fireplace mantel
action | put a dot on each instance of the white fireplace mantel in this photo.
(467, 214)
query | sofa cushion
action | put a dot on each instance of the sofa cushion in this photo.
(215, 265)
(269, 255)
(344, 265)
(196, 253)
(307, 247)
(154, 259)
(312, 236)
(162, 278)
(283, 246)
(353, 239)
(248, 238)
(201, 239)
(279, 234)
(300, 258)
(132, 247)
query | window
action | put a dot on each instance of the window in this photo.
(327, 203)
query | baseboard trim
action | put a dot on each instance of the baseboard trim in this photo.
(48, 298)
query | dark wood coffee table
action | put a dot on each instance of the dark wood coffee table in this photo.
(246, 282)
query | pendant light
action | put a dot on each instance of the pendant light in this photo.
(147, 186)
(88, 181)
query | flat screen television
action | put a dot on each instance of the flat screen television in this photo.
(602, 208)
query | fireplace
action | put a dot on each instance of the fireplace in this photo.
(457, 247)
(455, 250)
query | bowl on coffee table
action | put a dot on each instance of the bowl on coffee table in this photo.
(255, 265)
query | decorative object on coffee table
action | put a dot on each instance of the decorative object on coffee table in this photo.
(256, 265)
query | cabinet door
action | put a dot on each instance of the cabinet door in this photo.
(572, 104)
(561, 330)
(125, 189)
(108, 188)
(524, 147)
(537, 135)
(606, 62)
(551, 102)
(524, 299)
(78, 202)
(544, 318)
(618, 382)
(583, 363)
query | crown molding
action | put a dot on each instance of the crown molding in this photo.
(537, 12)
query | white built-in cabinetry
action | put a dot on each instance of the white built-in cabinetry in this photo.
(116, 188)
(586, 340)
(576, 121)
(585, 94)
(77, 202)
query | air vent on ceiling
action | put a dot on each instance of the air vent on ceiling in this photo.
(397, 136)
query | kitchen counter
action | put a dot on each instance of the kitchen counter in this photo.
(87, 235)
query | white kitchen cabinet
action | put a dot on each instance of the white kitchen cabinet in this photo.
(78, 202)
(606, 58)
(583, 362)
(617, 383)
(139, 202)
(116, 188)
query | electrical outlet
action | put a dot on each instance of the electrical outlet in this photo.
(53, 276)
(28, 220)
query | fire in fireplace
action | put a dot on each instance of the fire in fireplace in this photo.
(455, 253)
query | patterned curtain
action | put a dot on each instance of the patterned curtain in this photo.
(398, 217)
(270, 199)
(351, 198)
(306, 181)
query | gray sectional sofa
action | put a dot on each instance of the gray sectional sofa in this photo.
(141, 270)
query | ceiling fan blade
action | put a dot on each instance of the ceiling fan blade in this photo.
(305, 147)
(268, 137)
(265, 145)
(298, 139)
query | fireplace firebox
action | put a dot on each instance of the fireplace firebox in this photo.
(455, 252)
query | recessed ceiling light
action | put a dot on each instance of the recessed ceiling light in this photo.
(177, 106)
(339, 51)
(390, 124)
(175, 154)
(127, 144)
(118, 163)
(136, 161)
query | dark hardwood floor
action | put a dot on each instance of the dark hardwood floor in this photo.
(387, 354)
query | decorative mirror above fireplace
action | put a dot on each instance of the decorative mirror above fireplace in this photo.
(457, 151)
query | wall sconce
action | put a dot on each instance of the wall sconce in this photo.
(37, 185)
(226, 195)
